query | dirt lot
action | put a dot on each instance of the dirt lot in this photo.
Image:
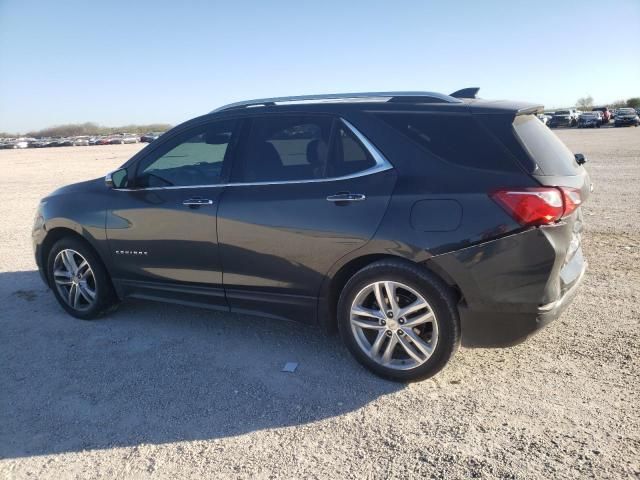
(172, 392)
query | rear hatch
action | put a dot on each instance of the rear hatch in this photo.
(547, 160)
(552, 164)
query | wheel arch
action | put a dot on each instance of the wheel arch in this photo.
(333, 285)
(57, 233)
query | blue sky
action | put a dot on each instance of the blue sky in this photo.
(121, 62)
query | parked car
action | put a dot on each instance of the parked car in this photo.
(124, 138)
(81, 141)
(544, 118)
(18, 143)
(103, 141)
(590, 120)
(606, 113)
(150, 137)
(366, 217)
(564, 118)
(626, 117)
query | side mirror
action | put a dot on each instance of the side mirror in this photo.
(117, 179)
(580, 159)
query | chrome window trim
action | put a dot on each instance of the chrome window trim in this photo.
(382, 164)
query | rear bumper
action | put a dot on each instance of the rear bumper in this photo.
(515, 285)
(500, 329)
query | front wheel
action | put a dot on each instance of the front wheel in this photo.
(399, 320)
(78, 279)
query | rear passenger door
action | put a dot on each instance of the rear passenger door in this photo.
(305, 191)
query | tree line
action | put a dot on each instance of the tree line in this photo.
(586, 103)
(90, 128)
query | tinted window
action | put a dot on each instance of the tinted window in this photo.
(547, 150)
(281, 148)
(193, 158)
(458, 139)
(349, 154)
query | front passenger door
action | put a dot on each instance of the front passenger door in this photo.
(162, 229)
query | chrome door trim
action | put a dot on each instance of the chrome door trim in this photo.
(346, 197)
(197, 202)
(382, 164)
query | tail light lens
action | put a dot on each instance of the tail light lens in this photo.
(540, 205)
(571, 198)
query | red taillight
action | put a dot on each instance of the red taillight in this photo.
(538, 206)
(572, 200)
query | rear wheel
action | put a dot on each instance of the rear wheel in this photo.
(399, 320)
(78, 279)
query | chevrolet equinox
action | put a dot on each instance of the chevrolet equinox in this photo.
(410, 222)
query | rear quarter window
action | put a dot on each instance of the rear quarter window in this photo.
(458, 139)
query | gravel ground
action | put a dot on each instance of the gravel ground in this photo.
(161, 391)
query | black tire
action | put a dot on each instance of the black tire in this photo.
(439, 296)
(105, 297)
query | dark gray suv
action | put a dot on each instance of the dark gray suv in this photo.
(408, 221)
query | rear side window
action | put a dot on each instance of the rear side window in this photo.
(299, 147)
(284, 148)
(548, 152)
(457, 139)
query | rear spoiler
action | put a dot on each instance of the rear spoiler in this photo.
(496, 106)
(471, 92)
(530, 109)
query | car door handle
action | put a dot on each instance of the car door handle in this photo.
(197, 202)
(346, 197)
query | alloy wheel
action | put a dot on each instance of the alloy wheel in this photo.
(394, 325)
(74, 279)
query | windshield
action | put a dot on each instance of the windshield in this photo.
(626, 111)
(562, 112)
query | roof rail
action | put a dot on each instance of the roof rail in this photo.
(424, 97)
(471, 92)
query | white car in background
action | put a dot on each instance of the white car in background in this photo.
(20, 143)
(544, 118)
(124, 138)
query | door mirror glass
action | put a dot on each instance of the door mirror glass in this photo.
(117, 179)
